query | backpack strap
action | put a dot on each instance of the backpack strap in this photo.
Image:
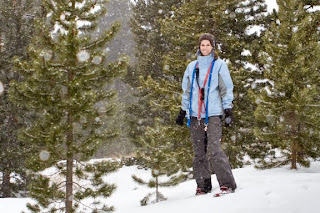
(207, 102)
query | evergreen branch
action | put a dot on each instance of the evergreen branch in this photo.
(93, 72)
(61, 66)
(49, 4)
(139, 180)
(303, 105)
(58, 172)
(80, 162)
(43, 81)
(79, 185)
(173, 181)
(312, 124)
(91, 16)
(85, 9)
(103, 209)
(29, 135)
(61, 183)
(104, 38)
(269, 133)
(87, 27)
(55, 209)
(56, 152)
(79, 201)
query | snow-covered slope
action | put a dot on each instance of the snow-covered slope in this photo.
(278, 190)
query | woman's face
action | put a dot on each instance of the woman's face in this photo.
(205, 47)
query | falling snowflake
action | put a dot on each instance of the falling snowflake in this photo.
(47, 55)
(97, 59)
(1, 88)
(258, 101)
(83, 56)
(167, 67)
(44, 155)
(62, 17)
(102, 110)
(281, 119)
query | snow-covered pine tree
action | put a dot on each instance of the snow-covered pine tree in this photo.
(288, 109)
(16, 28)
(160, 153)
(64, 82)
(229, 22)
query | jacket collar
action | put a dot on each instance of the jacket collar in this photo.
(205, 59)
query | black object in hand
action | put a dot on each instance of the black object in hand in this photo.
(202, 94)
(228, 117)
(180, 117)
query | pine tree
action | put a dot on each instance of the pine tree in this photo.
(64, 83)
(288, 109)
(229, 22)
(160, 153)
(151, 46)
(15, 32)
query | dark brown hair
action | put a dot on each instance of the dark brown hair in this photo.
(207, 36)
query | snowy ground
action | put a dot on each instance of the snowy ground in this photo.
(276, 190)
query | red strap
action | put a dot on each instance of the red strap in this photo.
(201, 102)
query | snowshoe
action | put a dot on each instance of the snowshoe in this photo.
(223, 191)
(200, 191)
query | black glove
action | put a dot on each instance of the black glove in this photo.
(180, 117)
(228, 117)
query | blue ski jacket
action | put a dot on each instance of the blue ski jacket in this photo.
(220, 95)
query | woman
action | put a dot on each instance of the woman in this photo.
(207, 95)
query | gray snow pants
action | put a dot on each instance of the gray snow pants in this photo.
(215, 155)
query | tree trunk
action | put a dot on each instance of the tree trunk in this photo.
(69, 174)
(157, 190)
(70, 144)
(294, 155)
(6, 185)
(69, 187)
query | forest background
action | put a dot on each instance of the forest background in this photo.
(133, 96)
